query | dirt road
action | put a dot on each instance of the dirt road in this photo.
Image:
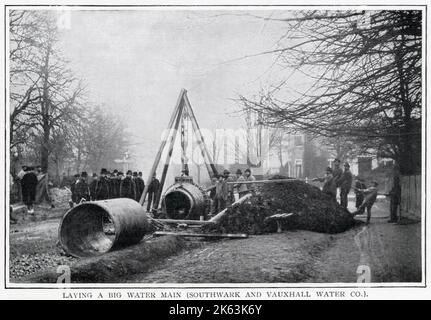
(385, 252)
(279, 257)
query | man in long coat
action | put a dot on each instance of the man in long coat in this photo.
(128, 187)
(29, 184)
(102, 187)
(82, 190)
(345, 183)
(329, 184)
(153, 189)
(140, 185)
(92, 186)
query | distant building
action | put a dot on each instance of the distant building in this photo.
(298, 156)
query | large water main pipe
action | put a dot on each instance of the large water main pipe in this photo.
(93, 228)
(185, 200)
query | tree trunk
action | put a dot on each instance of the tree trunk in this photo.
(45, 104)
(406, 154)
(44, 152)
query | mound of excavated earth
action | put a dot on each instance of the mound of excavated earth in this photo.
(313, 210)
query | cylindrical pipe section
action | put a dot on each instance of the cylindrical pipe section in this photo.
(94, 228)
(185, 201)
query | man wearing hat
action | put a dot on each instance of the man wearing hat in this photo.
(370, 197)
(329, 185)
(29, 185)
(249, 177)
(19, 176)
(337, 172)
(228, 178)
(92, 186)
(395, 197)
(241, 187)
(153, 189)
(82, 190)
(72, 187)
(221, 194)
(128, 187)
(114, 185)
(22, 172)
(140, 185)
(102, 187)
(345, 183)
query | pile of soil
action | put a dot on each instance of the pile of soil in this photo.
(313, 210)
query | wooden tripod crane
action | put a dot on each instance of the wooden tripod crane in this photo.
(182, 109)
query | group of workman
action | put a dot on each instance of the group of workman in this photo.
(223, 189)
(111, 185)
(336, 178)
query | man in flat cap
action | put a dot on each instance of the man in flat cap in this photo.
(228, 178)
(241, 188)
(345, 184)
(329, 185)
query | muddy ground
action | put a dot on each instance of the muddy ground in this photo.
(33, 243)
(392, 252)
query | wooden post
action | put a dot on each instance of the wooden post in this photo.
(168, 156)
(200, 139)
(162, 146)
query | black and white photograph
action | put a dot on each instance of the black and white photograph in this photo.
(261, 151)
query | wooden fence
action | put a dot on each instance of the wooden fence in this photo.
(410, 196)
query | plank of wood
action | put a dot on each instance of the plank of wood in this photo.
(280, 216)
(204, 235)
(265, 181)
(178, 221)
(219, 215)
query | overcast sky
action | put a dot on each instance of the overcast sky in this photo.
(136, 62)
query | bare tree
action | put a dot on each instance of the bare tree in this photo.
(44, 91)
(24, 75)
(364, 70)
(104, 139)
